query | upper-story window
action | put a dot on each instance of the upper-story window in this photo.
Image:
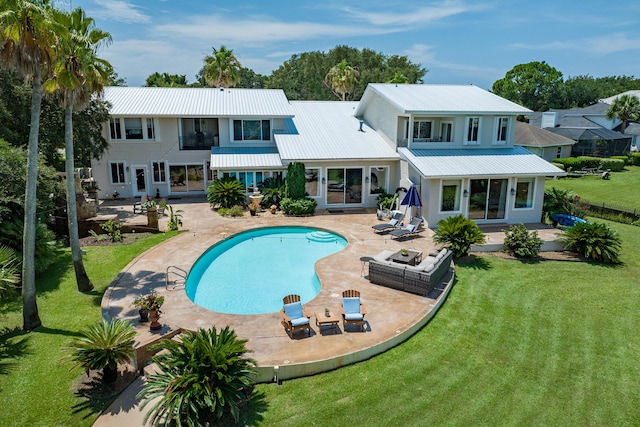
(473, 130)
(446, 129)
(503, 129)
(251, 130)
(421, 130)
(134, 128)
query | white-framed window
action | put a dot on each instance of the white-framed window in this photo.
(251, 179)
(117, 172)
(558, 152)
(135, 128)
(252, 130)
(446, 131)
(502, 130)
(524, 193)
(115, 129)
(450, 195)
(421, 130)
(159, 172)
(472, 130)
(378, 179)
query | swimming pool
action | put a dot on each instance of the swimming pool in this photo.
(250, 272)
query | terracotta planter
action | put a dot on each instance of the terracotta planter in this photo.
(154, 316)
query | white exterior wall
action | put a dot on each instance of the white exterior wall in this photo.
(384, 119)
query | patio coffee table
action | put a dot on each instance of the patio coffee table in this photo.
(322, 319)
(411, 258)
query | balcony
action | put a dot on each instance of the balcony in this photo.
(198, 141)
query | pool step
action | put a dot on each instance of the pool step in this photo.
(322, 236)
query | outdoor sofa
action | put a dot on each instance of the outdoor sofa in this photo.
(419, 279)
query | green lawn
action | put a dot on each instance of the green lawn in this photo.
(547, 343)
(621, 189)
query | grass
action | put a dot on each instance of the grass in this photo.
(619, 190)
(557, 346)
(546, 343)
(35, 387)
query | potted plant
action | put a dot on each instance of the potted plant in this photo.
(327, 312)
(151, 304)
(92, 190)
(253, 208)
(274, 208)
(149, 205)
(404, 252)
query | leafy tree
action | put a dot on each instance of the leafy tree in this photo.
(78, 74)
(102, 346)
(458, 234)
(303, 75)
(531, 85)
(166, 80)
(399, 78)
(295, 181)
(226, 192)
(342, 78)
(624, 108)
(201, 378)
(27, 45)
(222, 69)
(87, 132)
(9, 270)
(251, 80)
(595, 241)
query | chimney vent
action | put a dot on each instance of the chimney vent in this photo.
(361, 123)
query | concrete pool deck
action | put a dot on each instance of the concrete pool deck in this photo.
(391, 314)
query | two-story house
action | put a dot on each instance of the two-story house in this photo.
(455, 143)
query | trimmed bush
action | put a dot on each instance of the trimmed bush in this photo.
(625, 159)
(298, 207)
(294, 187)
(614, 165)
(595, 241)
(458, 234)
(634, 159)
(520, 243)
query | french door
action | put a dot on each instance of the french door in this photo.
(487, 199)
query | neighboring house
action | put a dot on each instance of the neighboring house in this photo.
(633, 128)
(543, 143)
(454, 142)
(588, 126)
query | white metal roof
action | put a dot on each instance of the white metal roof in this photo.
(196, 102)
(439, 99)
(245, 157)
(328, 130)
(515, 161)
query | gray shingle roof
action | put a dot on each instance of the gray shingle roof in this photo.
(529, 135)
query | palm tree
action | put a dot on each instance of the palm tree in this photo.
(399, 78)
(9, 268)
(624, 108)
(201, 378)
(102, 346)
(341, 78)
(27, 40)
(222, 69)
(78, 74)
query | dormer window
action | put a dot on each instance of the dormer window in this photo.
(503, 130)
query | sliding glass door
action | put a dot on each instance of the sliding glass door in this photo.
(344, 186)
(487, 199)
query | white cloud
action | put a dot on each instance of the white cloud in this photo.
(604, 45)
(425, 55)
(421, 15)
(121, 11)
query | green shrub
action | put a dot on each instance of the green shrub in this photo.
(9, 271)
(234, 211)
(112, 228)
(103, 346)
(226, 192)
(595, 241)
(175, 217)
(272, 189)
(614, 165)
(625, 159)
(203, 379)
(520, 243)
(298, 207)
(385, 200)
(634, 159)
(561, 201)
(458, 234)
(558, 165)
(45, 250)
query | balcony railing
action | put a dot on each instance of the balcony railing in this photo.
(198, 141)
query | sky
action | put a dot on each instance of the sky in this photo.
(457, 41)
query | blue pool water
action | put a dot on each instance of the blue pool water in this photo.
(250, 272)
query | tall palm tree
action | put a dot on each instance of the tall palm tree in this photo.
(222, 69)
(624, 108)
(27, 40)
(77, 75)
(342, 79)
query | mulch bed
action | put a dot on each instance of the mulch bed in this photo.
(126, 239)
(92, 387)
(550, 256)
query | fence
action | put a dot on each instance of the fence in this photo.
(615, 209)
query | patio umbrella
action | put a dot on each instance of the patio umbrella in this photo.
(412, 198)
